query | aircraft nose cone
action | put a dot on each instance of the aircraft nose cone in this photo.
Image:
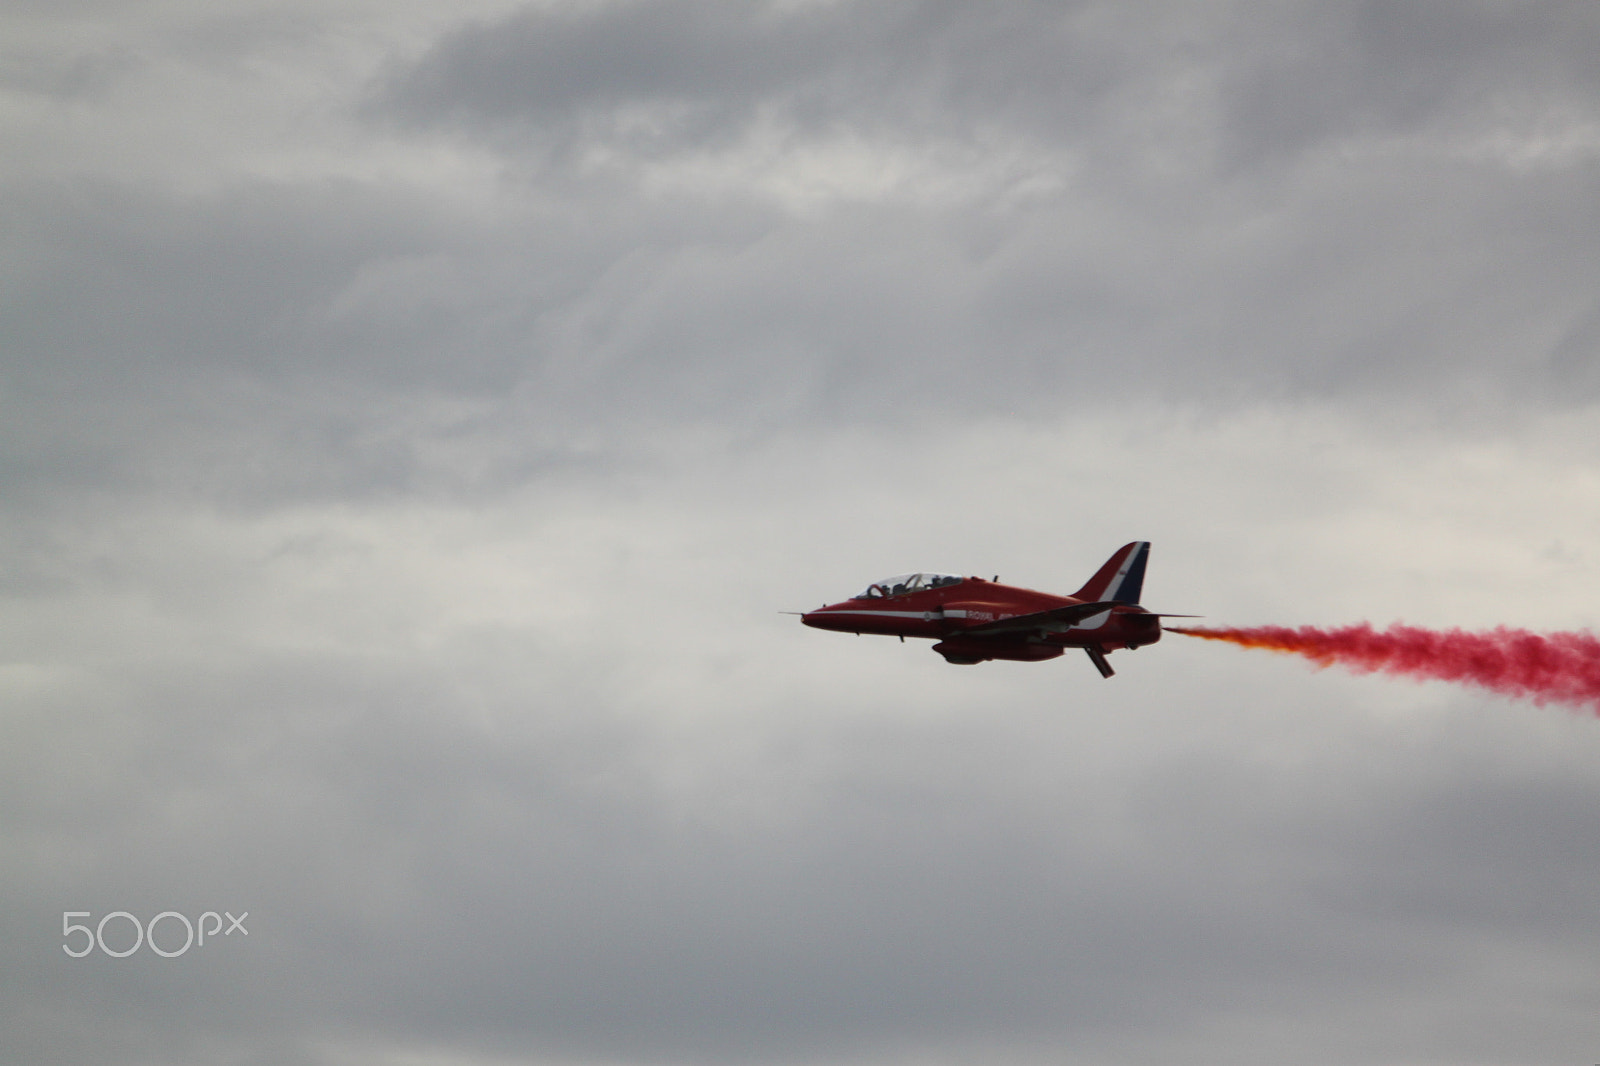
(822, 618)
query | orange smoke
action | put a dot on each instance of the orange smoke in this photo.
(1543, 667)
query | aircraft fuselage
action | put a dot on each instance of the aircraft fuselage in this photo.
(948, 612)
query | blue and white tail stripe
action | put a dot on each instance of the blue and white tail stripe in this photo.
(1121, 578)
(1128, 584)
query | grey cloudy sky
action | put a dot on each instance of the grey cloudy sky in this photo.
(414, 416)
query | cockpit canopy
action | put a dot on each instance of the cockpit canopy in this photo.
(904, 583)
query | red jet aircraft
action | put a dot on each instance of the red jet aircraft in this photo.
(976, 620)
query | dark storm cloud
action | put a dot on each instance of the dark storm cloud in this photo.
(132, 289)
(84, 77)
(1312, 74)
(1210, 205)
(703, 72)
(1270, 80)
(1235, 219)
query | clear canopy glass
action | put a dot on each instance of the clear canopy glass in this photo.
(902, 584)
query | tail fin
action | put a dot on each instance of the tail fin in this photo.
(1121, 579)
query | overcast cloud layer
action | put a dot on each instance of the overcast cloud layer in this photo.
(414, 417)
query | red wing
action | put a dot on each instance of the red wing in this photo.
(1072, 612)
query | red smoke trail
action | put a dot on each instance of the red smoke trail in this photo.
(1545, 667)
